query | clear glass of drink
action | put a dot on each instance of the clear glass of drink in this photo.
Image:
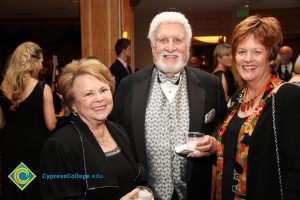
(192, 139)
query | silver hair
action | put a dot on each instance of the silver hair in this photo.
(221, 50)
(166, 18)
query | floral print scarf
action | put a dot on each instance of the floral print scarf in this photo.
(240, 176)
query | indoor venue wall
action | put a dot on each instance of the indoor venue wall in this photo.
(214, 23)
(56, 37)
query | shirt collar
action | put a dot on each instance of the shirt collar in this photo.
(123, 62)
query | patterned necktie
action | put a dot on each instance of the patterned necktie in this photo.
(163, 78)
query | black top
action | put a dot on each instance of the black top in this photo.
(73, 149)
(124, 171)
(230, 140)
(229, 80)
(21, 140)
(262, 170)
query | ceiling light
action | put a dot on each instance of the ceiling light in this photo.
(211, 39)
(125, 34)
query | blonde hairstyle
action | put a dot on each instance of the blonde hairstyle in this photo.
(266, 30)
(21, 65)
(90, 66)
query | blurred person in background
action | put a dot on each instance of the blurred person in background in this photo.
(194, 62)
(26, 117)
(120, 68)
(285, 68)
(223, 63)
(296, 74)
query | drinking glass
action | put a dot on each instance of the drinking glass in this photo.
(192, 139)
(145, 193)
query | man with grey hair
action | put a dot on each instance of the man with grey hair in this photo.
(159, 105)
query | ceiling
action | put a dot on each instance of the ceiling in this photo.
(32, 9)
(213, 5)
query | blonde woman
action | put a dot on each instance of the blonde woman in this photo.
(26, 117)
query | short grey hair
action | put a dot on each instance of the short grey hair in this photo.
(221, 50)
(169, 18)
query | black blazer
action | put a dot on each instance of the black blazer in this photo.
(262, 169)
(64, 153)
(119, 71)
(204, 93)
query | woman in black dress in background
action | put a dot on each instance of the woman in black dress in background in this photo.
(223, 62)
(26, 118)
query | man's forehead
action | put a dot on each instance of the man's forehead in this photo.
(172, 29)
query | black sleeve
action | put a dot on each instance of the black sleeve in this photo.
(116, 74)
(56, 165)
(118, 104)
(222, 107)
(289, 139)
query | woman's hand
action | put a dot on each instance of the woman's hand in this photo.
(205, 147)
(131, 195)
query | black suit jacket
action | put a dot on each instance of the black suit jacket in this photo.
(204, 93)
(119, 71)
(73, 149)
(283, 76)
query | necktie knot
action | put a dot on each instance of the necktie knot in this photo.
(163, 78)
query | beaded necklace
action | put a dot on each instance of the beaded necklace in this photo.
(246, 105)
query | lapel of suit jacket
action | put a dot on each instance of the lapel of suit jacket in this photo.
(139, 103)
(196, 95)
